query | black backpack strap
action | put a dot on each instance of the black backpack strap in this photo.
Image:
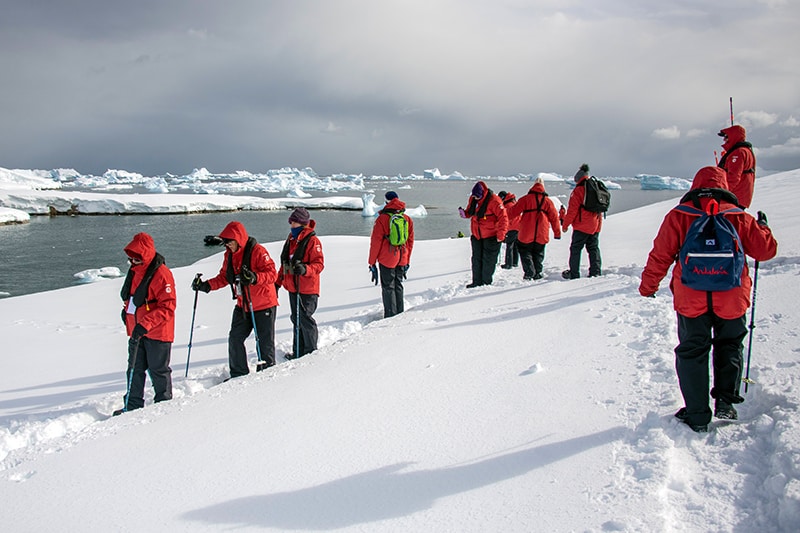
(695, 195)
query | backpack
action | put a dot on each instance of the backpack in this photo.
(597, 198)
(398, 229)
(711, 256)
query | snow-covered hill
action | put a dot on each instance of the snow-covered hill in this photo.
(521, 406)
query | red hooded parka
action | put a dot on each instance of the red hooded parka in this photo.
(578, 217)
(312, 258)
(757, 241)
(263, 292)
(494, 220)
(739, 163)
(157, 313)
(380, 249)
(537, 215)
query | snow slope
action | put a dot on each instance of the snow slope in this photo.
(521, 406)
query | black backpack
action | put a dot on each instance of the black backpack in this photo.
(597, 197)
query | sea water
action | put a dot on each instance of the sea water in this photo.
(47, 253)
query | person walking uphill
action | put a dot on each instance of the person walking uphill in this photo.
(488, 224)
(250, 272)
(301, 264)
(739, 162)
(537, 215)
(390, 247)
(707, 320)
(148, 298)
(512, 252)
(586, 229)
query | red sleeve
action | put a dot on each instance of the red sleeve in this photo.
(162, 291)
(379, 231)
(665, 250)
(314, 260)
(575, 202)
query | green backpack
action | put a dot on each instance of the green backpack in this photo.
(398, 229)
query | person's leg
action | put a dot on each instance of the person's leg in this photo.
(241, 326)
(575, 249)
(727, 358)
(691, 364)
(389, 280)
(136, 374)
(398, 289)
(265, 322)
(538, 259)
(309, 333)
(593, 249)
(491, 251)
(526, 260)
(158, 358)
(477, 261)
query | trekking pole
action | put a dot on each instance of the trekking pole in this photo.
(255, 329)
(191, 329)
(130, 373)
(746, 378)
(297, 318)
(731, 100)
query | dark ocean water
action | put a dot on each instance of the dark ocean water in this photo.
(46, 253)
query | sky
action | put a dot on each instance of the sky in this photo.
(515, 407)
(484, 87)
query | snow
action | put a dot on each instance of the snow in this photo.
(517, 407)
(13, 216)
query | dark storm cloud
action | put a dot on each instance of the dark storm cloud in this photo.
(481, 87)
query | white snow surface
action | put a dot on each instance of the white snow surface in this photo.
(516, 407)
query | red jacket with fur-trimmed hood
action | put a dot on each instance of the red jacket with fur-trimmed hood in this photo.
(380, 250)
(757, 241)
(739, 163)
(155, 310)
(537, 215)
(263, 291)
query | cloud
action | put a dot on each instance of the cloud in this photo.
(791, 122)
(669, 133)
(790, 148)
(756, 119)
(332, 129)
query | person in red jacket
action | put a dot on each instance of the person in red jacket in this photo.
(393, 261)
(489, 224)
(301, 264)
(148, 312)
(586, 229)
(707, 320)
(249, 271)
(537, 215)
(512, 252)
(739, 163)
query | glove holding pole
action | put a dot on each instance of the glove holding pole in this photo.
(374, 271)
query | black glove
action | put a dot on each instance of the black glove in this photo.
(124, 316)
(138, 332)
(247, 276)
(299, 269)
(762, 218)
(374, 271)
(405, 271)
(200, 285)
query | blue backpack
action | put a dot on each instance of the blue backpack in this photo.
(711, 256)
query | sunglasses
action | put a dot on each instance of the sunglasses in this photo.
(135, 260)
(226, 242)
